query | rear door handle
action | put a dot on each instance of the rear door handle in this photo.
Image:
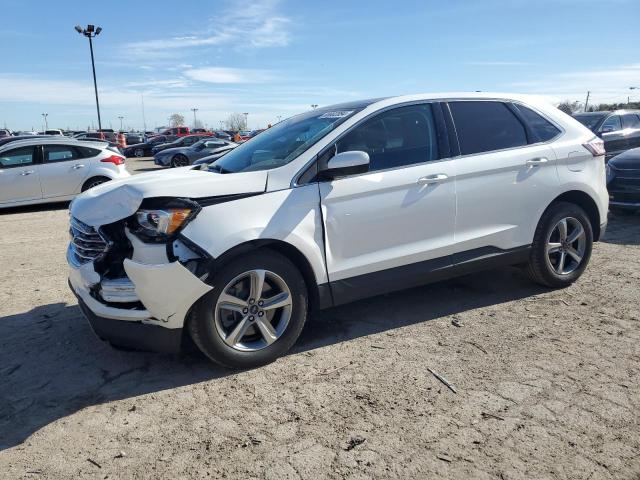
(429, 179)
(537, 161)
(77, 166)
(27, 172)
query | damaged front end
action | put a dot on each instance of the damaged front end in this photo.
(137, 278)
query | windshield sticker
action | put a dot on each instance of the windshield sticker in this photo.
(336, 114)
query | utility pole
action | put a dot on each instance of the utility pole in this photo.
(46, 124)
(246, 120)
(586, 103)
(194, 110)
(121, 117)
(144, 120)
(90, 32)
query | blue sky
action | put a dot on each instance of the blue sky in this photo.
(275, 58)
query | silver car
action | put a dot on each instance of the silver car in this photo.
(54, 169)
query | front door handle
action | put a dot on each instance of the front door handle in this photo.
(77, 166)
(430, 179)
(534, 162)
(27, 172)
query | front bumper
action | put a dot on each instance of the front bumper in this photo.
(165, 292)
(162, 161)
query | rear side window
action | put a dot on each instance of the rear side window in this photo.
(486, 126)
(59, 153)
(395, 138)
(630, 120)
(541, 129)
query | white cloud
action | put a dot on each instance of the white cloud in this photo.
(228, 75)
(606, 84)
(252, 24)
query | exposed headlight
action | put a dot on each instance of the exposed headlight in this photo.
(161, 223)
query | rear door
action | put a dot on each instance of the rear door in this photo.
(19, 171)
(63, 170)
(504, 175)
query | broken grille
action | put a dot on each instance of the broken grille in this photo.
(86, 243)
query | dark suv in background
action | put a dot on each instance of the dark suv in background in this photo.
(620, 130)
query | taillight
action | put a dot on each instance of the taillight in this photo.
(595, 146)
(115, 159)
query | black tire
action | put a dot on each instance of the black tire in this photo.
(540, 266)
(180, 160)
(93, 182)
(138, 152)
(202, 322)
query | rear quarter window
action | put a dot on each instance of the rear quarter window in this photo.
(541, 129)
(87, 152)
(485, 126)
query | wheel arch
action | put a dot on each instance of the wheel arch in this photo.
(587, 203)
(317, 299)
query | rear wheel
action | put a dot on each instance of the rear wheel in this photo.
(179, 161)
(255, 312)
(561, 246)
(94, 182)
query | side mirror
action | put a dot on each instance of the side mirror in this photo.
(346, 163)
(607, 129)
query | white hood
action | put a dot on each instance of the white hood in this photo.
(119, 199)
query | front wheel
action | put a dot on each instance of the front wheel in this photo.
(179, 161)
(139, 152)
(561, 246)
(255, 312)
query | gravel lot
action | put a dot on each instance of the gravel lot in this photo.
(547, 381)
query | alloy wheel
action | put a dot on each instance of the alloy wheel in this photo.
(139, 152)
(253, 310)
(566, 246)
(180, 161)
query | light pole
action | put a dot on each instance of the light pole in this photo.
(629, 96)
(194, 110)
(314, 105)
(246, 121)
(279, 118)
(90, 32)
(46, 124)
(121, 118)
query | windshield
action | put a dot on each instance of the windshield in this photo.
(589, 120)
(282, 143)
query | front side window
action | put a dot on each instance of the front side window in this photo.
(284, 142)
(542, 130)
(630, 120)
(612, 124)
(19, 157)
(395, 138)
(59, 153)
(484, 126)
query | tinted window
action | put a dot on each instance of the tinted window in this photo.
(86, 152)
(541, 129)
(19, 157)
(59, 153)
(486, 126)
(398, 137)
(612, 123)
(630, 120)
(589, 120)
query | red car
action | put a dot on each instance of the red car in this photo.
(177, 132)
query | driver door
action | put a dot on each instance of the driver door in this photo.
(19, 175)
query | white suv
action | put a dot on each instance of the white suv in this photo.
(331, 206)
(54, 169)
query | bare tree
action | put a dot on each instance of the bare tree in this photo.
(569, 107)
(235, 122)
(176, 120)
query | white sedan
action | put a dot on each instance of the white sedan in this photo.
(53, 169)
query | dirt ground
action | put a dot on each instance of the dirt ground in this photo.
(548, 382)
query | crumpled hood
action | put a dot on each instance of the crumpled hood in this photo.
(117, 199)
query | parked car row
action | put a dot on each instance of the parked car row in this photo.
(620, 130)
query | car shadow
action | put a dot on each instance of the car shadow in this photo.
(52, 364)
(42, 207)
(623, 229)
